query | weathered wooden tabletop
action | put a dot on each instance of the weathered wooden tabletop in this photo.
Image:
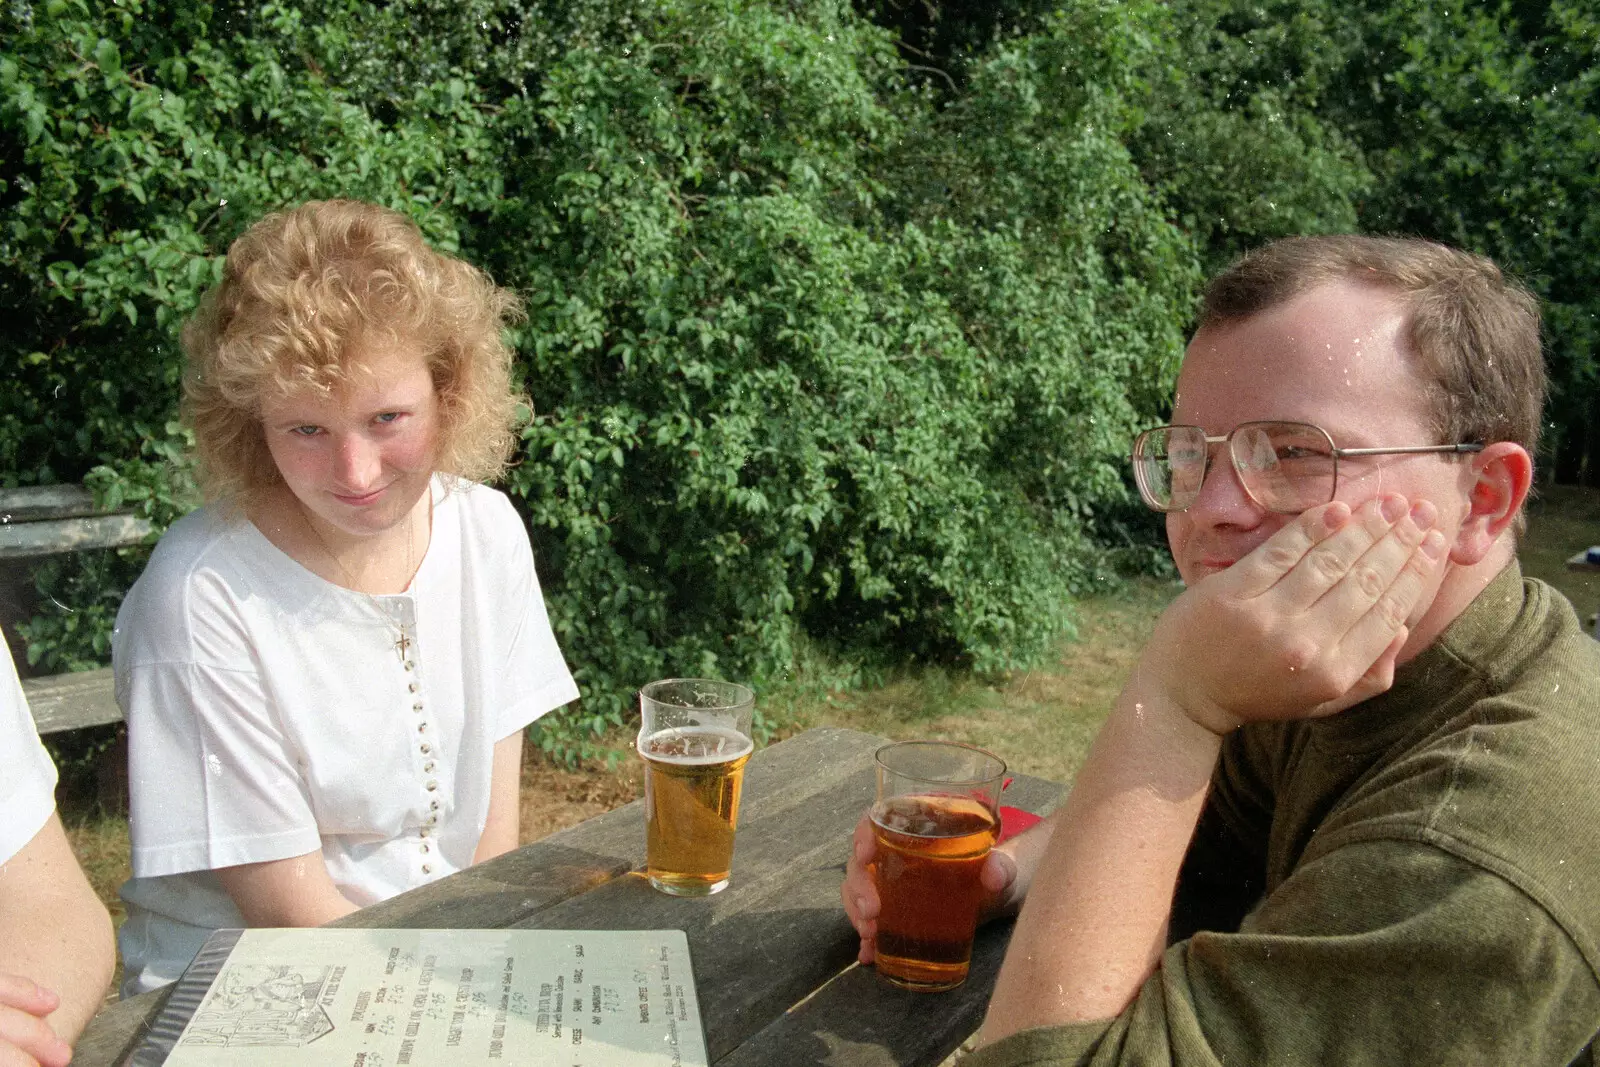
(774, 957)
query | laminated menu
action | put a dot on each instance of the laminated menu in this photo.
(388, 998)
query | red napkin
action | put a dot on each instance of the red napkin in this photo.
(1013, 820)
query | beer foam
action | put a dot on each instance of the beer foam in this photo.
(694, 746)
(932, 816)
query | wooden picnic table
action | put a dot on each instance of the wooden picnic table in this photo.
(774, 956)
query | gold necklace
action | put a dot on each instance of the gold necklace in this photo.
(403, 642)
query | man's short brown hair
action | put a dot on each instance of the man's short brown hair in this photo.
(1475, 331)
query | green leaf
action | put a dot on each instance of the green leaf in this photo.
(107, 58)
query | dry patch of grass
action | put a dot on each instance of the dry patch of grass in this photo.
(555, 797)
(1040, 722)
(101, 845)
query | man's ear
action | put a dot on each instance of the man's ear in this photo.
(1502, 476)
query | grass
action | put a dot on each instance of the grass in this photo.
(1563, 520)
(1041, 722)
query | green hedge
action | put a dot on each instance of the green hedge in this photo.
(1473, 124)
(817, 353)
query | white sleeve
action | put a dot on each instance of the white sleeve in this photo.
(213, 781)
(536, 679)
(27, 777)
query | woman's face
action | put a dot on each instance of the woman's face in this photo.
(359, 460)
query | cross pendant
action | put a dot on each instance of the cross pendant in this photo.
(404, 644)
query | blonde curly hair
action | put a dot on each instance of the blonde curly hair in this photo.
(299, 289)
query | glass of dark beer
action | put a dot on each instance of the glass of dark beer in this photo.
(694, 736)
(936, 817)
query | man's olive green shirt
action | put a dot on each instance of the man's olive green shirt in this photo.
(1413, 881)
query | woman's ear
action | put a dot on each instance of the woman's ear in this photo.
(1501, 478)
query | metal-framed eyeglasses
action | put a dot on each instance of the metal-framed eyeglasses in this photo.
(1285, 467)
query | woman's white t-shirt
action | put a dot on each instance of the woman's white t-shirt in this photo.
(272, 713)
(27, 777)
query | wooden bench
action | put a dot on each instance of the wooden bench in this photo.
(51, 519)
(70, 701)
(41, 521)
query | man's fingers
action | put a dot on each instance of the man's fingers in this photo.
(1283, 552)
(859, 891)
(1328, 562)
(1347, 633)
(998, 872)
(1378, 678)
(864, 844)
(28, 1040)
(1332, 592)
(11, 1056)
(1373, 632)
(1368, 581)
(860, 897)
(25, 994)
(998, 876)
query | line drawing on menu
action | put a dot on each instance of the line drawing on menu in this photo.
(261, 1006)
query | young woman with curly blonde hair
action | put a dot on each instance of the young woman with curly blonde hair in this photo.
(327, 670)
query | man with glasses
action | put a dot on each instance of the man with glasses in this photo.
(1344, 809)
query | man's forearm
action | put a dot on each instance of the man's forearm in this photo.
(54, 930)
(1093, 926)
(1307, 623)
(78, 967)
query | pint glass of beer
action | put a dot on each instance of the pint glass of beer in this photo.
(694, 736)
(936, 818)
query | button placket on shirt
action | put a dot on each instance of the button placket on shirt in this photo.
(406, 617)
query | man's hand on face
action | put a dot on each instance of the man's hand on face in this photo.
(1308, 624)
(26, 1039)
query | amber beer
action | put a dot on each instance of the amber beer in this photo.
(936, 817)
(691, 791)
(930, 852)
